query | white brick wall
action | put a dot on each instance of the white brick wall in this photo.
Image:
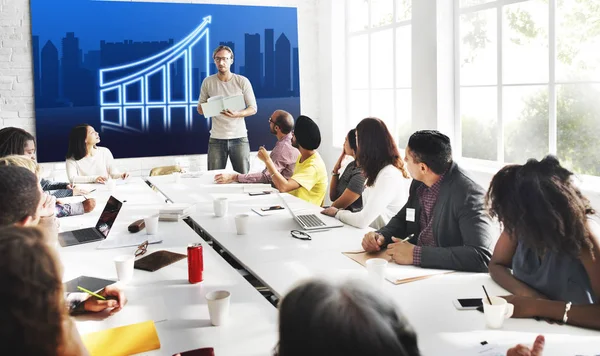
(16, 85)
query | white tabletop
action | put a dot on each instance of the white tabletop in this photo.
(178, 308)
(280, 261)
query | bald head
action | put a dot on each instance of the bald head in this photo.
(284, 120)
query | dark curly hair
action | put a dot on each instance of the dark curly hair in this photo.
(319, 318)
(539, 205)
(376, 149)
(33, 309)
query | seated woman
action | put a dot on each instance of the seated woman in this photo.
(318, 318)
(386, 178)
(548, 254)
(61, 209)
(16, 141)
(34, 318)
(86, 162)
(345, 191)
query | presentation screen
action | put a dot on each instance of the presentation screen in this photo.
(133, 70)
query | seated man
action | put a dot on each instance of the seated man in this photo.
(284, 155)
(309, 181)
(22, 203)
(444, 223)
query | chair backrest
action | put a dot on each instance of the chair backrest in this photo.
(165, 170)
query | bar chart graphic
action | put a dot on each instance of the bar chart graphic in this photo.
(147, 93)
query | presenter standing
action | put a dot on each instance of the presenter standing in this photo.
(228, 135)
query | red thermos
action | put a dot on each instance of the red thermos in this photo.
(195, 263)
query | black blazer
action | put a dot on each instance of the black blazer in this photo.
(461, 227)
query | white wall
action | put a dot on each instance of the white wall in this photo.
(16, 75)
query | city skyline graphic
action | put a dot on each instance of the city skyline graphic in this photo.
(141, 88)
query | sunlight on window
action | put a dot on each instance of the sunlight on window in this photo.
(357, 11)
(525, 42)
(382, 105)
(478, 54)
(382, 12)
(382, 59)
(578, 40)
(358, 61)
(465, 3)
(359, 106)
(403, 57)
(526, 122)
(578, 113)
(478, 121)
(403, 125)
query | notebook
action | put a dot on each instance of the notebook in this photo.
(395, 273)
(123, 341)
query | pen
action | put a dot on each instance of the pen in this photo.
(407, 237)
(91, 293)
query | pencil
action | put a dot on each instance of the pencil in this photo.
(91, 293)
(407, 237)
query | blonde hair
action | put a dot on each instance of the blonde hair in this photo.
(22, 161)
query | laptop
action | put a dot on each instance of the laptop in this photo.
(311, 221)
(96, 233)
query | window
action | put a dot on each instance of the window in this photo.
(528, 79)
(379, 65)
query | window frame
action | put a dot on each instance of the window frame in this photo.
(369, 31)
(500, 85)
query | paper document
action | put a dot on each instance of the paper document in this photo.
(128, 240)
(216, 104)
(124, 340)
(258, 187)
(395, 273)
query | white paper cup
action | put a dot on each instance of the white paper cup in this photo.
(124, 266)
(218, 306)
(376, 268)
(177, 176)
(151, 223)
(495, 313)
(112, 185)
(241, 223)
(220, 206)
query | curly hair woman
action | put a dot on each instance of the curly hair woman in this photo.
(547, 255)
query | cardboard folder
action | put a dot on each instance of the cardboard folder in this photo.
(396, 274)
(123, 341)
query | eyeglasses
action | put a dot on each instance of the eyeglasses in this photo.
(141, 249)
(301, 235)
(218, 59)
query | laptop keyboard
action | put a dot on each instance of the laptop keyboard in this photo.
(85, 235)
(311, 220)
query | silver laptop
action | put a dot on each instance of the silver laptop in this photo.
(311, 221)
(97, 233)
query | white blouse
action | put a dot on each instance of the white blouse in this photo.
(87, 169)
(381, 202)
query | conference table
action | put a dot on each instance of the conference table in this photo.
(274, 257)
(179, 309)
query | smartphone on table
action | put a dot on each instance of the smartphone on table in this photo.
(467, 303)
(275, 207)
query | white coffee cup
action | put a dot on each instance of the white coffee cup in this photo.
(220, 206)
(177, 176)
(241, 223)
(218, 306)
(112, 185)
(376, 268)
(151, 223)
(124, 266)
(495, 313)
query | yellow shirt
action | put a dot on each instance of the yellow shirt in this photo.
(312, 177)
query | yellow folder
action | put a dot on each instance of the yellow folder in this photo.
(123, 341)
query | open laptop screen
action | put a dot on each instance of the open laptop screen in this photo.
(109, 215)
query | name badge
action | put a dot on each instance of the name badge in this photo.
(410, 214)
